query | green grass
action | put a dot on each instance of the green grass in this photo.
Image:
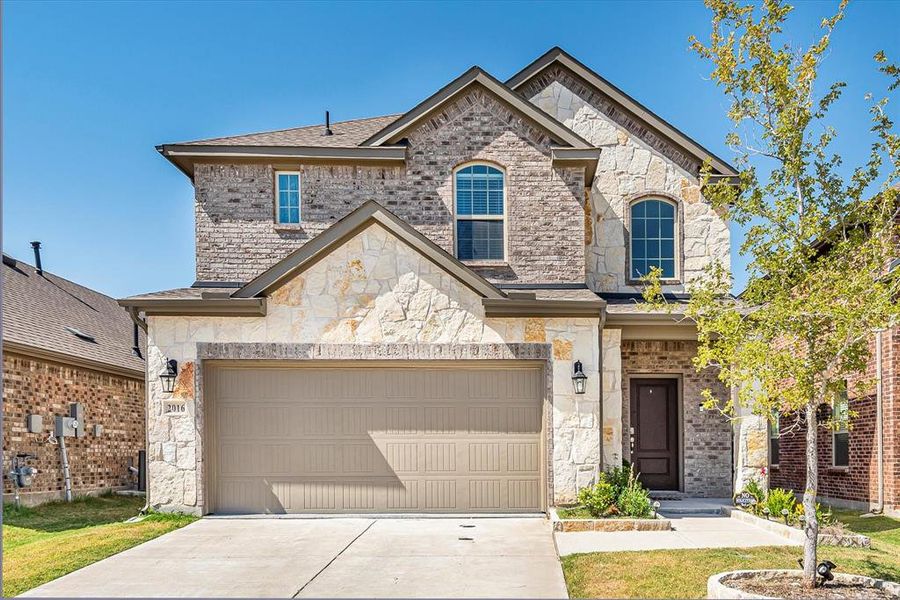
(51, 540)
(580, 512)
(683, 573)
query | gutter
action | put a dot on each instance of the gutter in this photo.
(514, 306)
(211, 305)
(68, 359)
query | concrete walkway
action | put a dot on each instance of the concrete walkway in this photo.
(331, 558)
(688, 532)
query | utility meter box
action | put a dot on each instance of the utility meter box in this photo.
(76, 412)
(66, 427)
(34, 424)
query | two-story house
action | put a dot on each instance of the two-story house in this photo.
(437, 310)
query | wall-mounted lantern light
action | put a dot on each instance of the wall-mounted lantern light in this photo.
(579, 379)
(167, 377)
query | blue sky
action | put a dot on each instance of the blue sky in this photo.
(90, 89)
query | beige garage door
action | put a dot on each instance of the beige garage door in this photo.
(363, 439)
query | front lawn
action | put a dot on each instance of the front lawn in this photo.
(51, 540)
(683, 573)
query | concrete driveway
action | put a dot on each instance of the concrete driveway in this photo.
(336, 558)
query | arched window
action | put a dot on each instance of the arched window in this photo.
(653, 224)
(480, 209)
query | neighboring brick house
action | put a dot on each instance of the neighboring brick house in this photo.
(64, 343)
(389, 313)
(859, 465)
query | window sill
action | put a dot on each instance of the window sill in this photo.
(289, 226)
(485, 263)
(834, 469)
(638, 282)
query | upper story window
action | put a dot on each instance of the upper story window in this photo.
(653, 238)
(841, 435)
(287, 196)
(480, 209)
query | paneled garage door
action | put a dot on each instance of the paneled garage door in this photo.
(363, 439)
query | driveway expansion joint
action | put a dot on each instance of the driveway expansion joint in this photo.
(334, 558)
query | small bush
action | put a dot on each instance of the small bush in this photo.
(778, 500)
(617, 492)
(599, 498)
(634, 501)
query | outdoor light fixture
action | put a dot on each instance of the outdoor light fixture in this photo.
(167, 377)
(656, 506)
(579, 378)
(784, 513)
(824, 570)
(766, 512)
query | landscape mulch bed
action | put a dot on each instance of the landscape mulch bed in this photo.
(792, 586)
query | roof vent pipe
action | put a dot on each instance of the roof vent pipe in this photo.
(36, 246)
(328, 124)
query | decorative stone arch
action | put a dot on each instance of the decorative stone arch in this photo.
(678, 204)
(506, 213)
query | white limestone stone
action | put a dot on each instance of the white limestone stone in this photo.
(392, 296)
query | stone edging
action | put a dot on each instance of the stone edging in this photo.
(851, 540)
(717, 585)
(569, 525)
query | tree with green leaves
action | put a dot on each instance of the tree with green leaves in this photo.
(820, 236)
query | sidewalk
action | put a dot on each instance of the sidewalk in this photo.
(688, 532)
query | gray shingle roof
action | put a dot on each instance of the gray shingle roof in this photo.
(345, 134)
(38, 309)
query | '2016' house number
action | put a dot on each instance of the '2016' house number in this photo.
(175, 408)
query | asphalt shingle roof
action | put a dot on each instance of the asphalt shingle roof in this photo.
(37, 310)
(345, 134)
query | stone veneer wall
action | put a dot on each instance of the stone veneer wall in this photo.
(706, 436)
(634, 162)
(35, 386)
(368, 296)
(237, 237)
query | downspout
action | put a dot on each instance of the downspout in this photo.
(142, 323)
(879, 419)
(601, 326)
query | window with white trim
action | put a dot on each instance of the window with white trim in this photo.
(287, 197)
(653, 223)
(775, 439)
(480, 200)
(840, 437)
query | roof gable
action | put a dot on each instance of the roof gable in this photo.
(476, 76)
(369, 213)
(558, 56)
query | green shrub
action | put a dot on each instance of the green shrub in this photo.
(778, 500)
(599, 498)
(823, 515)
(634, 501)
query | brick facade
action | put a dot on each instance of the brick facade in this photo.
(857, 483)
(237, 237)
(706, 436)
(35, 386)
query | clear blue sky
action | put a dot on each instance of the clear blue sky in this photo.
(90, 89)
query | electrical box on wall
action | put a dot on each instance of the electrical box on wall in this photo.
(66, 427)
(34, 423)
(76, 412)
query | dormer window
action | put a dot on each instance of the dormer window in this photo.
(653, 239)
(287, 197)
(480, 191)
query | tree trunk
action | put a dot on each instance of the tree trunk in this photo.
(809, 496)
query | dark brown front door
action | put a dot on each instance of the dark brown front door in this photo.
(654, 417)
